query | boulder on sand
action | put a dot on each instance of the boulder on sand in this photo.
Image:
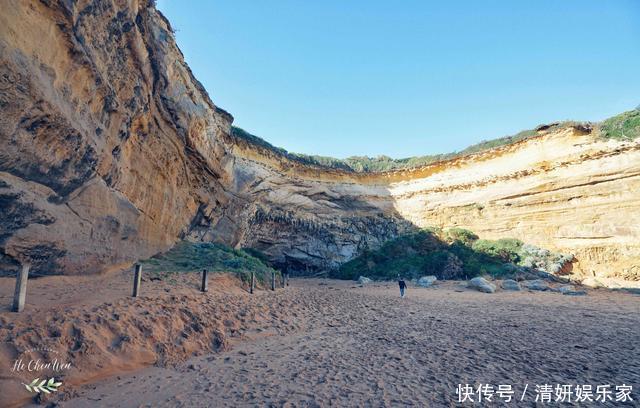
(593, 282)
(482, 285)
(363, 280)
(427, 281)
(510, 284)
(564, 288)
(575, 293)
(536, 284)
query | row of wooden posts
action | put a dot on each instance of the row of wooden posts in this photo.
(204, 286)
(20, 294)
(22, 277)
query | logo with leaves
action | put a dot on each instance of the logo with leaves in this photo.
(44, 386)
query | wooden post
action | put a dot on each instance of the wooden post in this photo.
(273, 280)
(283, 275)
(137, 275)
(205, 283)
(252, 284)
(20, 294)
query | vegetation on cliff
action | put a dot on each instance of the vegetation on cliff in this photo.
(452, 254)
(321, 161)
(625, 126)
(195, 256)
(365, 164)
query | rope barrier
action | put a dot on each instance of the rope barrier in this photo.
(42, 275)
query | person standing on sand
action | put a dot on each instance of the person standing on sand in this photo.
(403, 286)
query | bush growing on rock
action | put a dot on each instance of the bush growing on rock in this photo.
(461, 235)
(545, 260)
(409, 255)
(507, 249)
(625, 126)
(453, 254)
(365, 164)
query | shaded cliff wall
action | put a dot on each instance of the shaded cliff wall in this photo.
(306, 223)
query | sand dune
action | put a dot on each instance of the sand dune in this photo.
(101, 331)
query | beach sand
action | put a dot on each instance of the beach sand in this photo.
(336, 343)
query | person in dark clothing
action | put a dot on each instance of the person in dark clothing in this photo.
(403, 286)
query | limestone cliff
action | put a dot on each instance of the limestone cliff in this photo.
(111, 151)
(564, 190)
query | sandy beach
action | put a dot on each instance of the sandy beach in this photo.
(336, 343)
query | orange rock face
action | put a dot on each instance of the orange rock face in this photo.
(111, 151)
(109, 146)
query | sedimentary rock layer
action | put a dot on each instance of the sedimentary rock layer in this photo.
(564, 190)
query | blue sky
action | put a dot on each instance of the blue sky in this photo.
(342, 78)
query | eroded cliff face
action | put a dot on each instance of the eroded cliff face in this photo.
(307, 220)
(111, 151)
(109, 145)
(564, 190)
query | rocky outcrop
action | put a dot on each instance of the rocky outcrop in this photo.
(536, 284)
(303, 223)
(111, 151)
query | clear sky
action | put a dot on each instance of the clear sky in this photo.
(341, 78)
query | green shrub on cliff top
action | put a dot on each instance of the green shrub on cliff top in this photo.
(625, 126)
(366, 164)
